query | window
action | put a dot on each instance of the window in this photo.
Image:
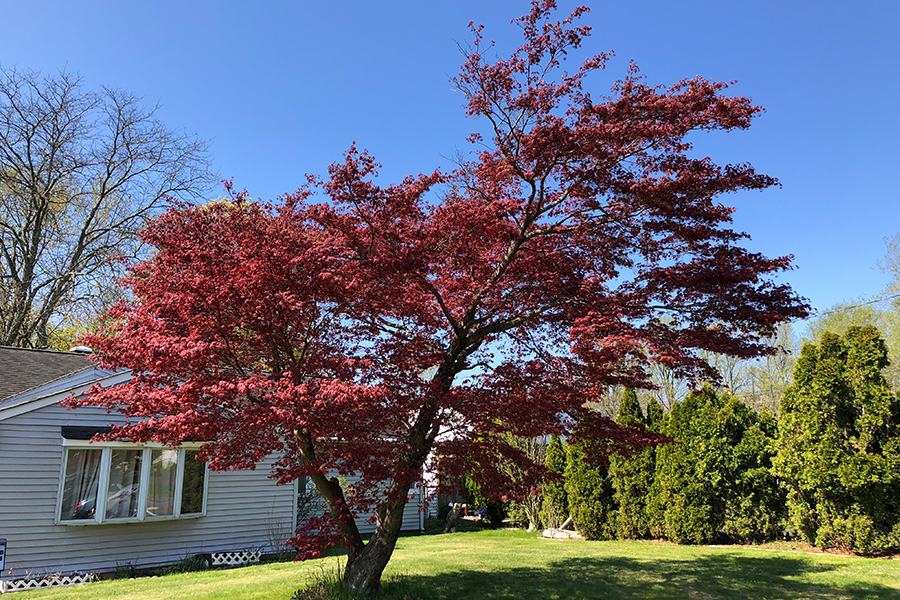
(119, 482)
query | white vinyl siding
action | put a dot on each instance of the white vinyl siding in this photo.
(245, 509)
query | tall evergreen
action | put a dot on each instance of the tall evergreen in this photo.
(714, 479)
(632, 475)
(755, 505)
(556, 505)
(590, 496)
(654, 418)
(839, 444)
(630, 414)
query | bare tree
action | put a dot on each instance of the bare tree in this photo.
(734, 371)
(79, 172)
(670, 387)
(771, 375)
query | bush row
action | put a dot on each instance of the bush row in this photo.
(826, 470)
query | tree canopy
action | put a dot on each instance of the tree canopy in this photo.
(360, 328)
(79, 172)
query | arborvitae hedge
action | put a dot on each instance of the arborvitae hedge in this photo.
(590, 496)
(654, 415)
(714, 480)
(556, 505)
(839, 444)
(632, 476)
(630, 414)
(835, 478)
(755, 507)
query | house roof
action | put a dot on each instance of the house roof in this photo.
(22, 369)
(33, 379)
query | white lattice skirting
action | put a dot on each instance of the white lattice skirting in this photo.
(232, 559)
(20, 585)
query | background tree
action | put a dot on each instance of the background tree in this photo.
(760, 381)
(79, 172)
(733, 371)
(579, 244)
(771, 375)
(884, 316)
(631, 475)
(526, 510)
(839, 444)
(713, 479)
(556, 504)
(669, 385)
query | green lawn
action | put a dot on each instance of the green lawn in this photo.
(514, 564)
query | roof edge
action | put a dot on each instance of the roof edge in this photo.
(51, 394)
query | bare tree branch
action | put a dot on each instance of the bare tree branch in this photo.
(80, 171)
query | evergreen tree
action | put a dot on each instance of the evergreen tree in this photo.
(556, 505)
(839, 446)
(755, 504)
(654, 415)
(590, 496)
(630, 414)
(631, 476)
(714, 479)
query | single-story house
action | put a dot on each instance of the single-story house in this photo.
(68, 505)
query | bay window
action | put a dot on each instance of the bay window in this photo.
(118, 482)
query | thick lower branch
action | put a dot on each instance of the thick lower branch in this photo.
(333, 494)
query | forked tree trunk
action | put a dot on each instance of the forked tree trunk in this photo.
(365, 564)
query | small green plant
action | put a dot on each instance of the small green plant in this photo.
(125, 570)
(329, 585)
(190, 564)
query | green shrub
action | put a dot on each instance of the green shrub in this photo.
(839, 444)
(755, 506)
(556, 505)
(590, 496)
(714, 481)
(632, 476)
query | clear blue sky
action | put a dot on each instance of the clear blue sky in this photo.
(282, 88)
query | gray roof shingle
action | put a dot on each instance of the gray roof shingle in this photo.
(22, 369)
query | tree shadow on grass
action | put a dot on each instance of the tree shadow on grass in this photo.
(725, 576)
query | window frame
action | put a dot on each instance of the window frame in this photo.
(147, 449)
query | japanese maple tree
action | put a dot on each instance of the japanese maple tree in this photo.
(358, 329)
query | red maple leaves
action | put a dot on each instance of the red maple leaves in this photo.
(362, 331)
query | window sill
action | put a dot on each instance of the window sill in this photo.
(90, 523)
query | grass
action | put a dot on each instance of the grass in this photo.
(511, 564)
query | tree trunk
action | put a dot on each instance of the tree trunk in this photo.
(362, 576)
(365, 564)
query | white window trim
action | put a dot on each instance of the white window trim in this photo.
(103, 483)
